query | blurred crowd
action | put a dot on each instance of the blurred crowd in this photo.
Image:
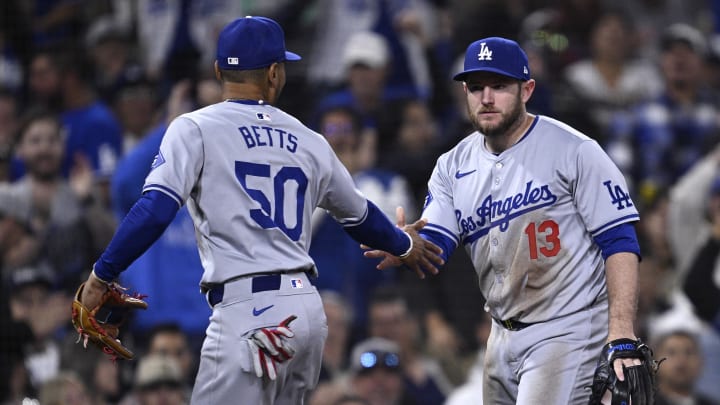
(87, 88)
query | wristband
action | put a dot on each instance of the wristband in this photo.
(409, 250)
(106, 283)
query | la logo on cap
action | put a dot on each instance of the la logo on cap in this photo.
(485, 52)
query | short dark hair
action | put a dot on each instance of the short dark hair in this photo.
(355, 119)
(243, 76)
(69, 58)
(36, 114)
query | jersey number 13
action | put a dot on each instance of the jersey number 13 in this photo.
(548, 229)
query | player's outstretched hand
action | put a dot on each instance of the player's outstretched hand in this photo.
(424, 257)
(269, 346)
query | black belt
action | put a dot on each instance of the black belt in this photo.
(260, 283)
(510, 324)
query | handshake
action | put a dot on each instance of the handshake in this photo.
(269, 346)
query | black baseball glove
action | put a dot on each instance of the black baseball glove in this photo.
(639, 385)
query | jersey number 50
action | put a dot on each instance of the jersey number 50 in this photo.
(262, 215)
(551, 231)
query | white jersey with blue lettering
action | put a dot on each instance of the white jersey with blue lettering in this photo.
(252, 175)
(527, 217)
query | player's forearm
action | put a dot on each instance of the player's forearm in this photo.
(378, 232)
(622, 283)
(143, 225)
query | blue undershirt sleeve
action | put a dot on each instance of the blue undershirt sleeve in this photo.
(379, 233)
(142, 226)
(446, 244)
(621, 238)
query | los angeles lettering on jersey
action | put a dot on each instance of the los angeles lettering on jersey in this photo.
(268, 136)
(499, 212)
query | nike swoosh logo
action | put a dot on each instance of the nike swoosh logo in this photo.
(459, 175)
(258, 312)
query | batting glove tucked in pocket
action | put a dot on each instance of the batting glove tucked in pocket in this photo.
(269, 346)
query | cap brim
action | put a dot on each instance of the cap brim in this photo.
(292, 56)
(460, 77)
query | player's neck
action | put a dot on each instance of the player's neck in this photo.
(246, 91)
(501, 143)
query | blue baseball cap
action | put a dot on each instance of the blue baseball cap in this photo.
(498, 55)
(252, 43)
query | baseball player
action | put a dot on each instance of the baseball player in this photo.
(251, 176)
(548, 223)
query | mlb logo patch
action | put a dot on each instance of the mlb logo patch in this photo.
(233, 61)
(159, 159)
(296, 283)
(428, 199)
(263, 116)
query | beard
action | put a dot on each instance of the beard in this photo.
(508, 121)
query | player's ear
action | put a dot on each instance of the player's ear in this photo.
(218, 74)
(273, 72)
(526, 89)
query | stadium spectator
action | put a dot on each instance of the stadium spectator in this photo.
(18, 245)
(9, 122)
(65, 389)
(35, 302)
(62, 80)
(679, 371)
(612, 78)
(692, 218)
(375, 372)
(658, 140)
(366, 60)
(103, 377)
(158, 381)
(343, 268)
(70, 223)
(414, 147)
(471, 391)
(406, 27)
(389, 317)
(169, 340)
(339, 320)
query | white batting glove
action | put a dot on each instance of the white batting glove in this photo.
(269, 346)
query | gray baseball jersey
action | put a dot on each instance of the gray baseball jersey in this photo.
(261, 173)
(527, 217)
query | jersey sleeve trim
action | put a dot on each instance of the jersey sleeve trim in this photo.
(444, 231)
(627, 218)
(347, 223)
(447, 245)
(165, 190)
(621, 238)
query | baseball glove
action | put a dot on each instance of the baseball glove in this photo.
(638, 387)
(101, 324)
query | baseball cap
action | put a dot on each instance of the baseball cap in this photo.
(498, 55)
(157, 370)
(252, 43)
(684, 34)
(35, 274)
(375, 353)
(366, 48)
